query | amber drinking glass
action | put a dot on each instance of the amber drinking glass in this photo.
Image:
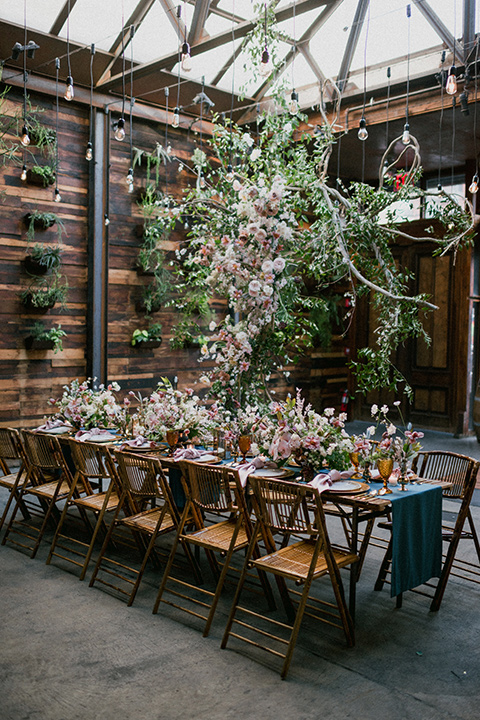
(355, 460)
(385, 467)
(244, 445)
(172, 439)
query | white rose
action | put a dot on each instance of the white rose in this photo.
(212, 326)
(254, 288)
(237, 185)
(268, 290)
(374, 409)
(256, 152)
(278, 264)
(247, 139)
(267, 266)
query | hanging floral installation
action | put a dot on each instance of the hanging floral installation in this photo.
(266, 221)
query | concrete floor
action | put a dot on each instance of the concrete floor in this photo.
(71, 652)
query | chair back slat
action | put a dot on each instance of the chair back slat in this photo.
(448, 466)
(287, 507)
(210, 487)
(142, 478)
(42, 451)
(10, 448)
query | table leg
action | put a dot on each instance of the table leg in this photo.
(353, 566)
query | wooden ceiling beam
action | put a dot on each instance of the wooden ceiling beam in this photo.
(197, 27)
(352, 42)
(440, 28)
(61, 18)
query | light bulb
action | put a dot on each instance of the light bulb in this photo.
(293, 106)
(107, 220)
(69, 92)
(229, 176)
(129, 178)
(451, 84)
(23, 174)
(120, 130)
(58, 197)
(180, 167)
(406, 134)
(176, 118)
(385, 168)
(265, 65)
(131, 187)
(202, 182)
(24, 138)
(169, 149)
(186, 58)
(362, 130)
(474, 185)
(89, 152)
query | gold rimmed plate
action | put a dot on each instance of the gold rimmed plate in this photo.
(348, 487)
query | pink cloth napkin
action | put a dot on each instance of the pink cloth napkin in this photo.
(137, 442)
(50, 424)
(246, 469)
(97, 433)
(189, 454)
(323, 481)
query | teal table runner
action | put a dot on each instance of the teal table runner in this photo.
(416, 536)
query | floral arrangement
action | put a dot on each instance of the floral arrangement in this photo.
(293, 429)
(402, 447)
(84, 406)
(170, 409)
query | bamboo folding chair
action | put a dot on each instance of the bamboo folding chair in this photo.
(11, 450)
(48, 479)
(288, 510)
(215, 502)
(142, 483)
(93, 465)
(462, 471)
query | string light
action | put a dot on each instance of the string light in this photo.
(406, 134)
(69, 91)
(362, 130)
(24, 137)
(119, 133)
(265, 65)
(89, 150)
(106, 220)
(176, 118)
(473, 189)
(230, 174)
(293, 106)
(23, 175)
(451, 84)
(129, 178)
(57, 196)
(186, 61)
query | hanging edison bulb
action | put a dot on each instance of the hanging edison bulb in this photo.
(230, 175)
(451, 84)
(202, 182)
(89, 151)
(69, 92)
(362, 130)
(120, 130)
(406, 134)
(186, 58)
(129, 178)
(23, 174)
(24, 137)
(106, 220)
(180, 167)
(265, 65)
(473, 189)
(131, 188)
(176, 118)
(58, 197)
(169, 149)
(293, 105)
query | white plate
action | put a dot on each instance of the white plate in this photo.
(60, 430)
(271, 472)
(101, 439)
(207, 459)
(345, 486)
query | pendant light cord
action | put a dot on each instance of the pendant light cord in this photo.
(440, 125)
(57, 70)
(68, 39)
(232, 98)
(92, 53)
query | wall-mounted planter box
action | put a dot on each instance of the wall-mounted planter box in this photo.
(28, 304)
(39, 223)
(33, 267)
(148, 344)
(140, 307)
(32, 344)
(34, 178)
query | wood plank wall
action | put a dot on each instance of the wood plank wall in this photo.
(29, 378)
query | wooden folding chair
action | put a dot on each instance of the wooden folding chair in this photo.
(287, 510)
(462, 471)
(215, 502)
(48, 479)
(11, 452)
(142, 483)
(93, 465)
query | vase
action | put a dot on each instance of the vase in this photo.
(403, 478)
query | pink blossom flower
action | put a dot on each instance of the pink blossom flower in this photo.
(254, 288)
(278, 264)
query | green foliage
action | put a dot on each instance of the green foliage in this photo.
(44, 221)
(154, 332)
(45, 292)
(55, 335)
(46, 172)
(154, 159)
(49, 256)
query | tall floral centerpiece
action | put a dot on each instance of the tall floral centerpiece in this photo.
(168, 409)
(315, 441)
(399, 445)
(85, 406)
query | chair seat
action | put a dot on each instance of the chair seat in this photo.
(147, 521)
(294, 560)
(9, 481)
(218, 536)
(95, 502)
(48, 489)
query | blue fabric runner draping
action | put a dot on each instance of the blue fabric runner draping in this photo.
(416, 536)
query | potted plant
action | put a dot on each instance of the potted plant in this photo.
(42, 258)
(41, 175)
(42, 296)
(42, 339)
(151, 337)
